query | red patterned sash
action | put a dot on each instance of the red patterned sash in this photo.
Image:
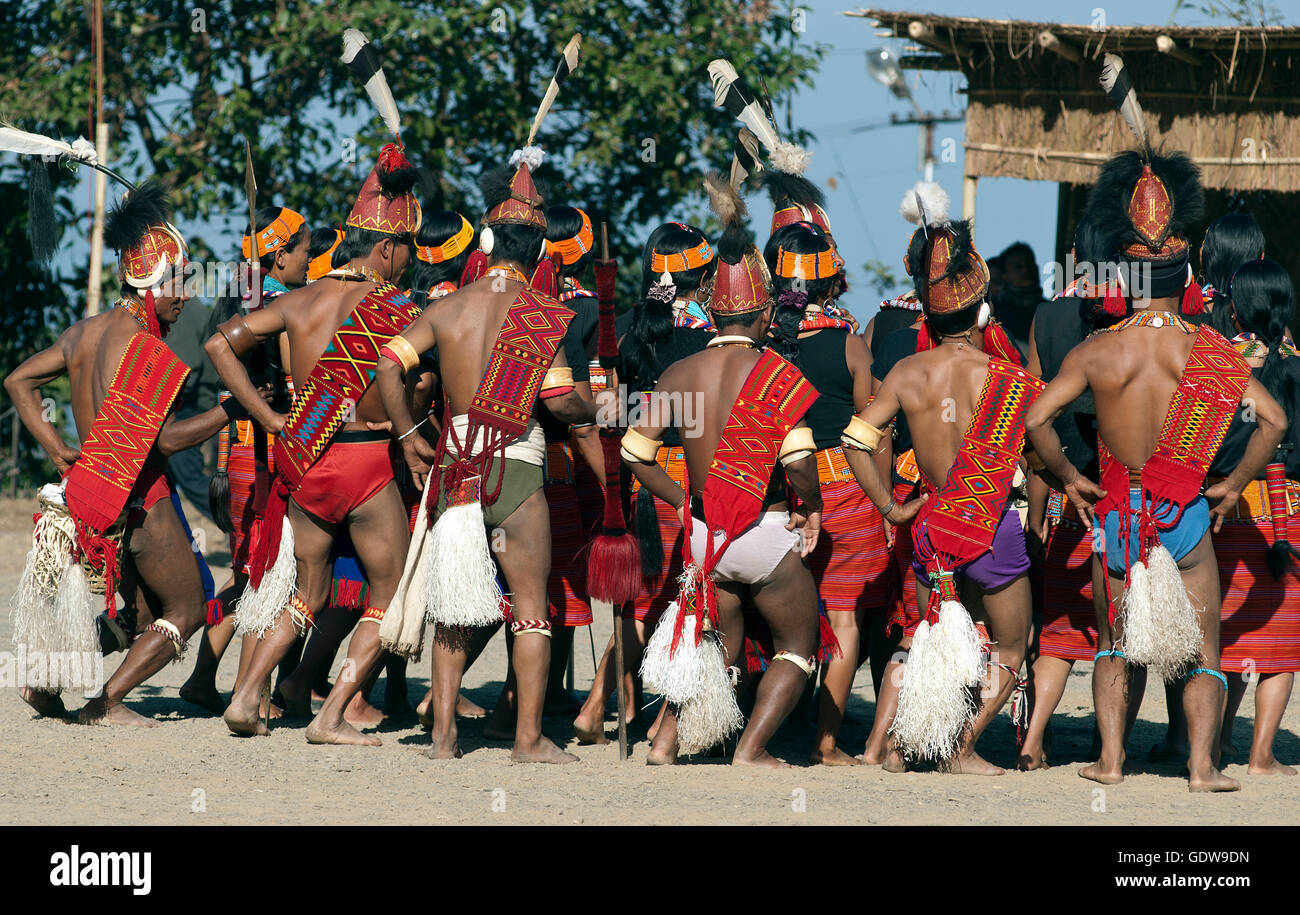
(1200, 412)
(530, 336)
(323, 404)
(958, 523)
(96, 489)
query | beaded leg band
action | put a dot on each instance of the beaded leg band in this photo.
(373, 614)
(1205, 670)
(807, 665)
(170, 633)
(541, 627)
(1110, 653)
(301, 614)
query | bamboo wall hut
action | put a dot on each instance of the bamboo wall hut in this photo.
(1227, 96)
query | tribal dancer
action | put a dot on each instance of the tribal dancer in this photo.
(330, 467)
(742, 544)
(113, 515)
(966, 531)
(442, 250)
(283, 238)
(500, 350)
(1069, 617)
(1165, 394)
(668, 324)
(1260, 620)
(851, 564)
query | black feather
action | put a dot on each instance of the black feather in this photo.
(1107, 207)
(219, 500)
(648, 536)
(396, 182)
(733, 244)
(1279, 558)
(148, 205)
(963, 245)
(494, 184)
(785, 189)
(42, 231)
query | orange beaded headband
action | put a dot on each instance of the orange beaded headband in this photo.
(278, 233)
(571, 250)
(457, 244)
(806, 266)
(689, 259)
(323, 263)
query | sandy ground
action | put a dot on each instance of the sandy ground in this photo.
(192, 771)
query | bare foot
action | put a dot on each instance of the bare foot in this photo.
(654, 728)
(362, 714)
(205, 697)
(466, 708)
(447, 748)
(971, 763)
(44, 702)
(543, 751)
(1169, 751)
(658, 756)
(341, 733)
(1032, 760)
(294, 700)
(1270, 767)
(244, 721)
(763, 760)
(893, 761)
(1212, 780)
(116, 715)
(1106, 774)
(589, 729)
(836, 757)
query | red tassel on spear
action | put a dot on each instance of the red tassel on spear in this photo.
(614, 563)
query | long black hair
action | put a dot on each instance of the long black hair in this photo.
(652, 318)
(563, 223)
(793, 294)
(1263, 300)
(1232, 240)
(435, 230)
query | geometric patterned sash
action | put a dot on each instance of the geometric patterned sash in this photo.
(531, 333)
(147, 381)
(958, 522)
(341, 376)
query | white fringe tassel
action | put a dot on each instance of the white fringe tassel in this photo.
(1160, 628)
(57, 631)
(935, 705)
(259, 608)
(713, 715)
(460, 579)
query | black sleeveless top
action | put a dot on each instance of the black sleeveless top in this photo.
(821, 359)
(1233, 448)
(1060, 326)
(886, 321)
(640, 366)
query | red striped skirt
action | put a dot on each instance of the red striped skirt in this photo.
(1069, 620)
(246, 527)
(851, 563)
(566, 588)
(905, 613)
(1260, 619)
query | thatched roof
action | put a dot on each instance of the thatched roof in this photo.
(1226, 96)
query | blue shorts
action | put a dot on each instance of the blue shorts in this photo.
(1179, 540)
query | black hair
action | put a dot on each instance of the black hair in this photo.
(792, 294)
(321, 241)
(358, 242)
(1263, 300)
(1230, 241)
(563, 223)
(266, 216)
(742, 320)
(438, 226)
(1020, 247)
(954, 322)
(652, 319)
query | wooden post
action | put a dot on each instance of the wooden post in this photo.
(968, 186)
(621, 673)
(94, 293)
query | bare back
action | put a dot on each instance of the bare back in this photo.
(1133, 374)
(708, 384)
(311, 316)
(92, 349)
(938, 390)
(466, 324)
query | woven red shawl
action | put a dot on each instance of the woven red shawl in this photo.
(326, 401)
(1200, 412)
(774, 397)
(530, 335)
(958, 522)
(146, 383)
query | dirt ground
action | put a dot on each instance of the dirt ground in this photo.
(192, 771)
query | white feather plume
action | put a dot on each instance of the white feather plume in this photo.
(1111, 67)
(926, 201)
(531, 156)
(377, 85)
(726, 80)
(34, 144)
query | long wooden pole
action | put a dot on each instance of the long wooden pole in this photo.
(94, 292)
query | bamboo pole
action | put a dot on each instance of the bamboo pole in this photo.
(94, 293)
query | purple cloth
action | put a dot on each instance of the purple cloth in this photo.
(1006, 560)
